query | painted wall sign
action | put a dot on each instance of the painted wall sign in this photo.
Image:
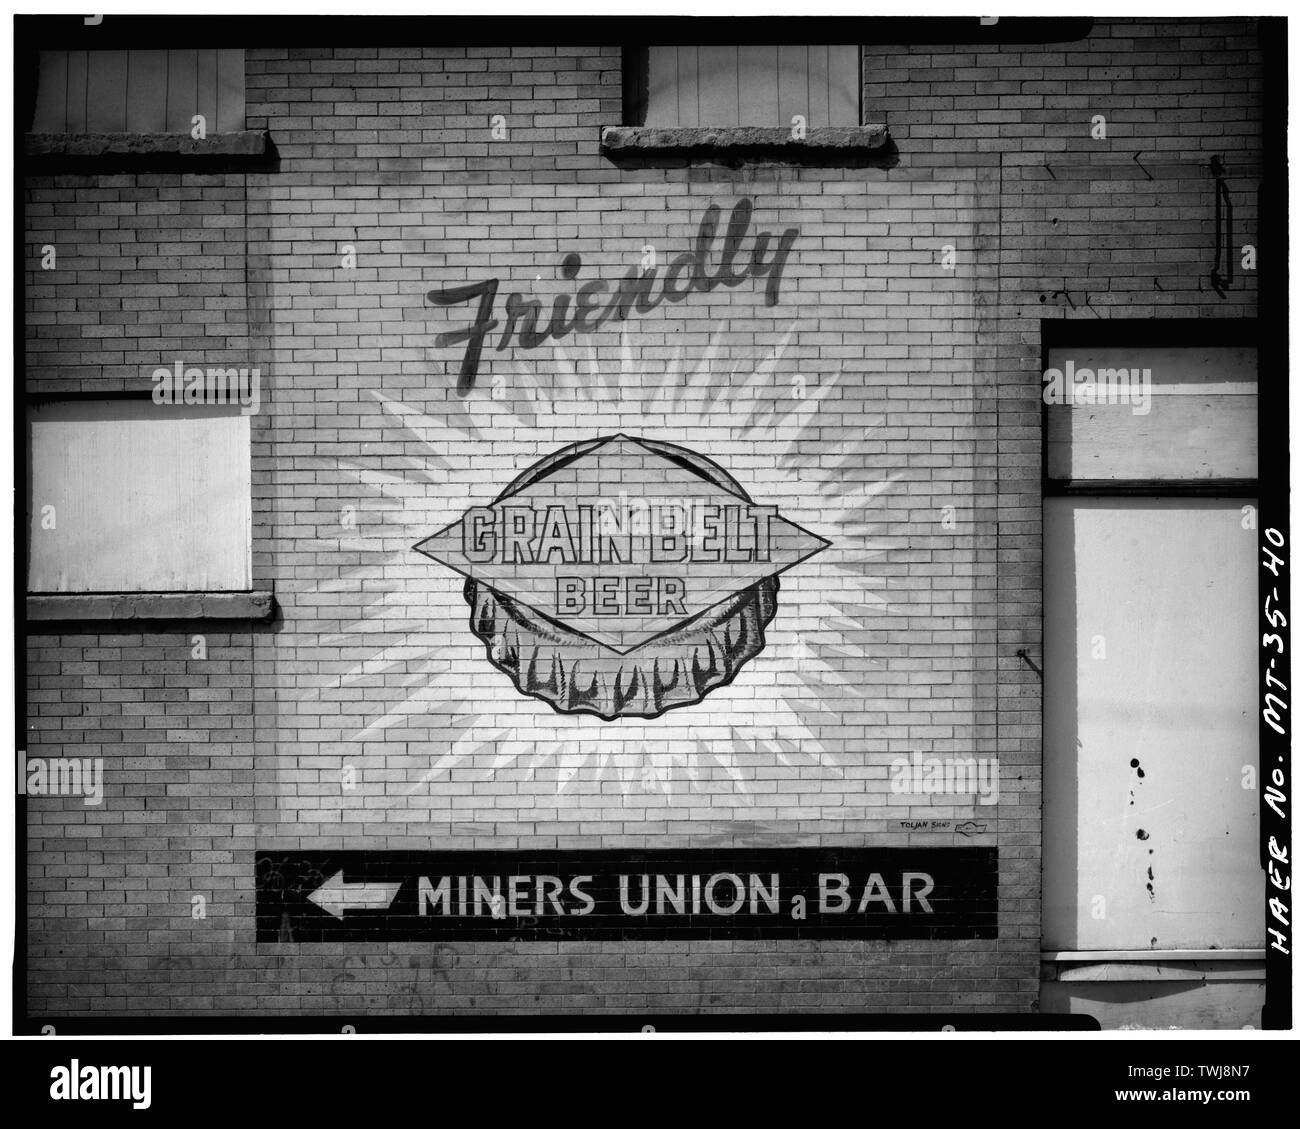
(859, 893)
(621, 577)
(635, 292)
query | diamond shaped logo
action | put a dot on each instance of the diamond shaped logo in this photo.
(620, 545)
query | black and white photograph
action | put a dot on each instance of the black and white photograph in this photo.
(654, 526)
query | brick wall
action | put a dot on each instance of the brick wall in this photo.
(881, 389)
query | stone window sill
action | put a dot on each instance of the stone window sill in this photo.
(169, 150)
(257, 605)
(829, 146)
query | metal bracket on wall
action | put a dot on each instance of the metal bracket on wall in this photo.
(1222, 282)
(1023, 656)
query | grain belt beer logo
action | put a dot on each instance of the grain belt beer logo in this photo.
(621, 577)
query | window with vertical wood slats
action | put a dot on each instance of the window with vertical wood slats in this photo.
(139, 91)
(753, 86)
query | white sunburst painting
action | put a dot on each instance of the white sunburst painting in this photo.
(426, 712)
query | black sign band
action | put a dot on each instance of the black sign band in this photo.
(799, 892)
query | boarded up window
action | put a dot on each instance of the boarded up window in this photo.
(139, 91)
(1198, 422)
(130, 496)
(753, 86)
(1150, 839)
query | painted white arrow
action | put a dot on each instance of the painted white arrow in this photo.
(334, 895)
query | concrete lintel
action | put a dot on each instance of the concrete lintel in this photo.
(254, 605)
(243, 143)
(828, 145)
